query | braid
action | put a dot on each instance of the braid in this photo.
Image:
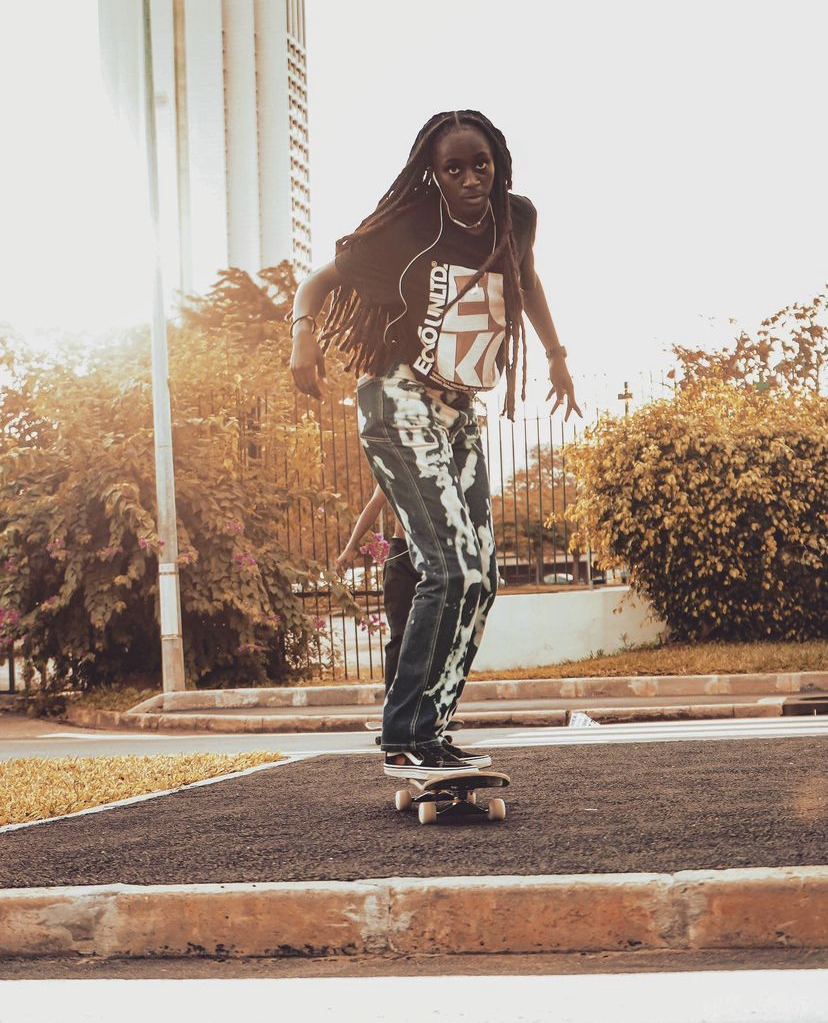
(358, 328)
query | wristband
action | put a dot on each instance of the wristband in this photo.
(298, 319)
(554, 352)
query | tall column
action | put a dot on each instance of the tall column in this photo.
(242, 142)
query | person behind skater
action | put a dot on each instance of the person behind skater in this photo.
(428, 299)
(399, 578)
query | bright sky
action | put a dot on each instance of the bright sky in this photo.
(676, 153)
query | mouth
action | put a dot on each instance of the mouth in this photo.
(474, 198)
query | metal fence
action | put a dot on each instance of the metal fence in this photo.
(531, 486)
(532, 489)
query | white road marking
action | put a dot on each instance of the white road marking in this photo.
(739, 996)
(99, 735)
(658, 731)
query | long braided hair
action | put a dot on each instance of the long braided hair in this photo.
(358, 328)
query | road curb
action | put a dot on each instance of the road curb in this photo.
(371, 694)
(272, 723)
(784, 907)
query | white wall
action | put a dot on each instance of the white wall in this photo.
(525, 630)
(528, 630)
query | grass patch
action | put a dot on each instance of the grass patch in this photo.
(35, 788)
(684, 659)
(114, 697)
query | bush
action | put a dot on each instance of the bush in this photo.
(718, 502)
(78, 542)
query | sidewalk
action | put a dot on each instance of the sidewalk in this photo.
(519, 703)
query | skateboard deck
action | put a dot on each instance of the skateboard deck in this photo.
(453, 796)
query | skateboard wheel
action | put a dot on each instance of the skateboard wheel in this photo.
(427, 813)
(497, 809)
(472, 798)
(402, 799)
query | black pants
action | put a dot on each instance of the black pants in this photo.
(399, 580)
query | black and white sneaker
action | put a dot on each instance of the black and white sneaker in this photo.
(477, 760)
(422, 766)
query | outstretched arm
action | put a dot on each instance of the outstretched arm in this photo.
(537, 310)
(307, 363)
(367, 517)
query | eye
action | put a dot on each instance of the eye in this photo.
(482, 164)
(452, 171)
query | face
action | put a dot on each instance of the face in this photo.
(463, 166)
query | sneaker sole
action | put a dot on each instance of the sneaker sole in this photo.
(423, 773)
(476, 762)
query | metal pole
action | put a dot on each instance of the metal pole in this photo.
(172, 647)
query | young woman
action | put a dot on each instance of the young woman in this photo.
(429, 295)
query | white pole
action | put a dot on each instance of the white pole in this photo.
(172, 647)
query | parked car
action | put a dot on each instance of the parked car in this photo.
(558, 578)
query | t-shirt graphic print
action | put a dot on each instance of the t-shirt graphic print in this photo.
(459, 345)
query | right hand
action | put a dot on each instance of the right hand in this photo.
(345, 559)
(307, 363)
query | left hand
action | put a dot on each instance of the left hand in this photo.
(562, 388)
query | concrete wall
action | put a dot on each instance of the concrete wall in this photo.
(530, 629)
(527, 630)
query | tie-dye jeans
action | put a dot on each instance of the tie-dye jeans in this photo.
(424, 449)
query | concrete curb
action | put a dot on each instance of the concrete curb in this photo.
(784, 907)
(371, 694)
(272, 723)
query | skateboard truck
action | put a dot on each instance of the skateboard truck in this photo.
(453, 796)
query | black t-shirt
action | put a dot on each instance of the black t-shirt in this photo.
(415, 266)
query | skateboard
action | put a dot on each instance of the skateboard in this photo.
(453, 796)
(375, 725)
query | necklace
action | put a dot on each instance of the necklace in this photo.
(469, 227)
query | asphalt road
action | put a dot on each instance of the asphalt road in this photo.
(656, 806)
(24, 737)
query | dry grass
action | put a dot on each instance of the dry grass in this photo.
(685, 659)
(36, 788)
(115, 697)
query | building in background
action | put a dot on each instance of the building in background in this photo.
(232, 122)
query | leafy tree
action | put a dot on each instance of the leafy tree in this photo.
(789, 352)
(78, 546)
(529, 510)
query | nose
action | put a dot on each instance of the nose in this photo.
(470, 179)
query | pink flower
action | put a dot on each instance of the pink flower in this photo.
(377, 547)
(244, 559)
(57, 549)
(250, 648)
(373, 624)
(232, 526)
(318, 623)
(143, 542)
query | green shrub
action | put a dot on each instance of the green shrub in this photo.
(718, 503)
(78, 542)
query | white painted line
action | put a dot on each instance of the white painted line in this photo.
(99, 735)
(289, 759)
(739, 996)
(686, 731)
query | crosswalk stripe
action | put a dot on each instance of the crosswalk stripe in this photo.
(649, 731)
